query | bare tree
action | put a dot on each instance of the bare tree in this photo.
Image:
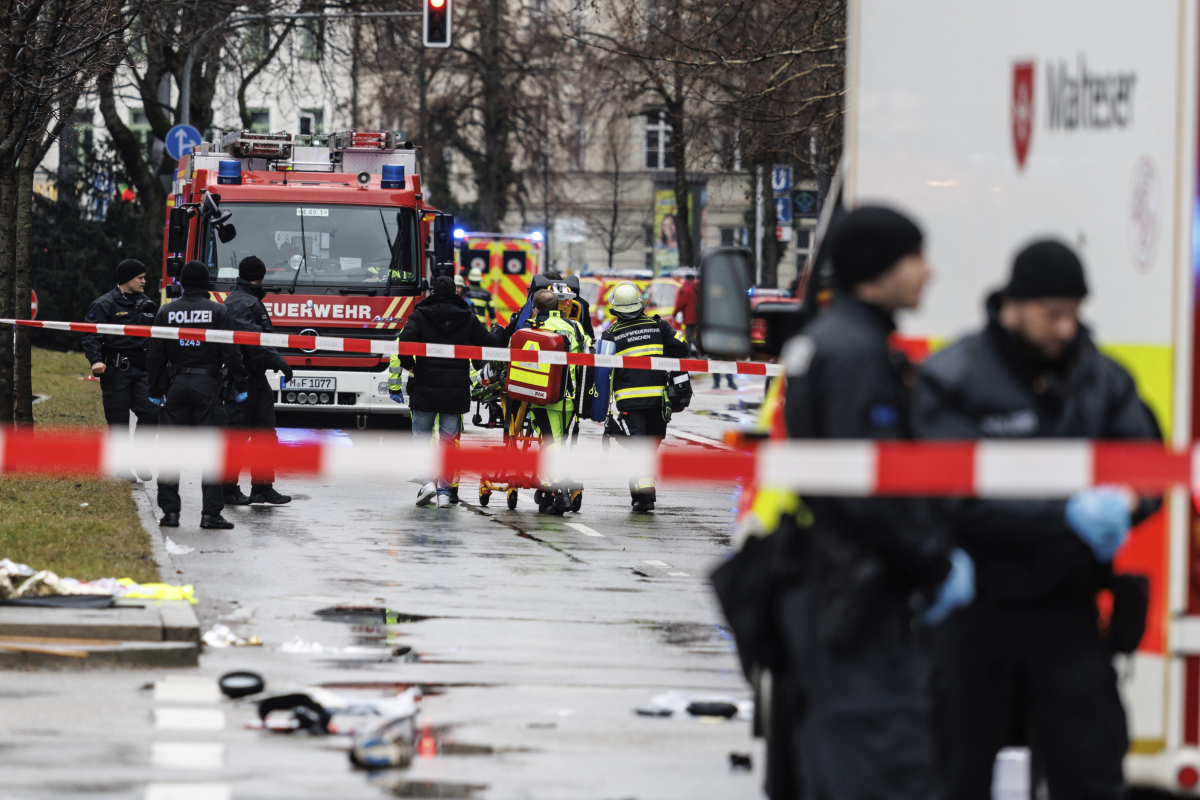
(612, 221)
(49, 49)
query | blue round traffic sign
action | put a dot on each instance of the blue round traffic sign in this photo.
(181, 139)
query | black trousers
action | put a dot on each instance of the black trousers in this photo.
(645, 422)
(127, 390)
(256, 411)
(1038, 676)
(192, 401)
(859, 719)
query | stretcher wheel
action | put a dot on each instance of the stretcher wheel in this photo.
(512, 499)
(484, 497)
(577, 501)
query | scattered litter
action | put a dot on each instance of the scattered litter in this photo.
(319, 710)
(298, 645)
(241, 684)
(176, 549)
(46, 583)
(388, 746)
(740, 762)
(83, 505)
(13, 568)
(221, 636)
(702, 706)
(157, 591)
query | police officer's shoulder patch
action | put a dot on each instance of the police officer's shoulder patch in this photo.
(797, 355)
(91, 314)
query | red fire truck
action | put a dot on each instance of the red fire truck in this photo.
(349, 244)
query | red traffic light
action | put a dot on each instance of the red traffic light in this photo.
(435, 22)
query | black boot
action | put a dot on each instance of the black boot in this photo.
(454, 495)
(169, 520)
(267, 494)
(214, 523)
(561, 504)
(234, 496)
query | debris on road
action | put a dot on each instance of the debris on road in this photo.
(740, 761)
(178, 549)
(221, 636)
(702, 706)
(241, 684)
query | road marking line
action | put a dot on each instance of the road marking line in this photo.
(187, 755)
(698, 439)
(656, 563)
(584, 529)
(188, 689)
(189, 719)
(188, 791)
(678, 574)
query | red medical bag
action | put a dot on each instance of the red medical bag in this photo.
(531, 382)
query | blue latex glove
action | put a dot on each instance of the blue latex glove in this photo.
(1101, 517)
(158, 401)
(956, 591)
(397, 397)
(240, 397)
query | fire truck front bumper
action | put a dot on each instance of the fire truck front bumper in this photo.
(335, 391)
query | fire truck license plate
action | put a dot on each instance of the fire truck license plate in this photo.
(309, 383)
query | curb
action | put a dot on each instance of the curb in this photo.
(133, 633)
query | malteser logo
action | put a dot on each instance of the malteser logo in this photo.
(1088, 99)
(1022, 110)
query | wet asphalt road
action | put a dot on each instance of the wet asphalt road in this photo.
(534, 638)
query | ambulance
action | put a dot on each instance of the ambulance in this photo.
(508, 263)
(997, 123)
(349, 242)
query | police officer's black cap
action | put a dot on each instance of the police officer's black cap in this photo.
(129, 269)
(194, 275)
(869, 241)
(443, 286)
(252, 268)
(1046, 268)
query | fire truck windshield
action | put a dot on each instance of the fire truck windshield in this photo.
(319, 245)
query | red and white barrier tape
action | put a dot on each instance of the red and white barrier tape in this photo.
(990, 468)
(389, 347)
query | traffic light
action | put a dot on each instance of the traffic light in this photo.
(435, 23)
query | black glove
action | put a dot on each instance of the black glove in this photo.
(287, 372)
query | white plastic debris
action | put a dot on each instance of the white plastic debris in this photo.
(221, 636)
(178, 549)
(13, 568)
(240, 616)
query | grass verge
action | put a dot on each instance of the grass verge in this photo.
(82, 528)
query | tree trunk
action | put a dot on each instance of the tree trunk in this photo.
(8, 179)
(771, 248)
(683, 205)
(22, 364)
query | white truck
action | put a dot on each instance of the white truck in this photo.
(995, 123)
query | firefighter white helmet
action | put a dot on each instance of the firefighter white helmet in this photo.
(626, 300)
(475, 275)
(459, 282)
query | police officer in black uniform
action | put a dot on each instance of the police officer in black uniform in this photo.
(850, 692)
(1027, 660)
(120, 361)
(245, 305)
(185, 381)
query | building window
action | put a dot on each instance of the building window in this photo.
(658, 141)
(260, 120)
(312, 120)
(735, 237)
(577, 146)
(312, 40)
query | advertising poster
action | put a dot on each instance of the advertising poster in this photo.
(666, 230)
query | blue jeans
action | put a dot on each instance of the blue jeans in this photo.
(449, 427)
